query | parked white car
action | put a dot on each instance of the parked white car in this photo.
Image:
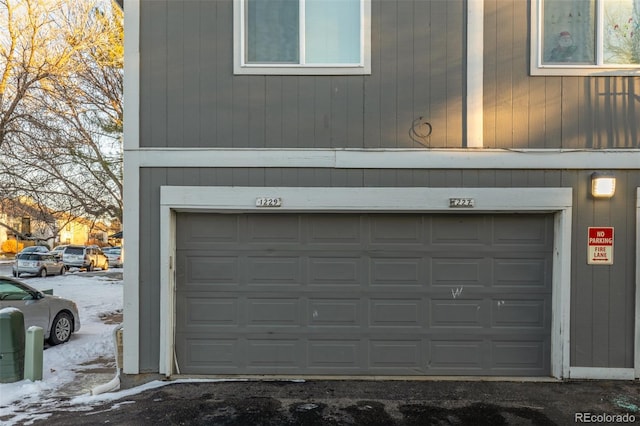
(35, 263)
(115, 255)
(57, 317)
(85, 257)
(58, 251)
(35, 249)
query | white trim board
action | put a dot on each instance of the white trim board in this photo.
(318, 199)
(637, 326)
(495, 159)
(474, 107)
(131, 192)
(601, 373)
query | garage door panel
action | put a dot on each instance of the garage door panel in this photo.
(400, 229)
(334, 312)
(335, 354)
(455, 230)
(396, 354)
(396, 313)
(525, 231)
(519, 313)
(456, 354)
(335, 229)
(335, 270)
(515, 355)
(211, 269)
(397, 294)
(209, 311)
(521, 272)
(393, 272)
(467, 271)
(272, 270)
(273, 312)
(457, 313)
(273, 353)
(203, 230)
(204, 352)
(272, 229)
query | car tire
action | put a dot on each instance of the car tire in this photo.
(63, 270)
(106, 266)
(42, 273)
(61, 328)
(90, 267)
(15, 274)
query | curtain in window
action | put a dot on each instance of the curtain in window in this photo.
(622, 32)
(272, 30)
(569, 31)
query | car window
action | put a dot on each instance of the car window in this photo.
(8, 286)
(74, 250)
(30, 256)
(10, 291)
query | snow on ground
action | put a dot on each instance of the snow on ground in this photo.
(95, 296)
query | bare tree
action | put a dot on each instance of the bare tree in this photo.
(34, 52)
(61, 107)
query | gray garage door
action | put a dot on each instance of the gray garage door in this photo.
(364, 294)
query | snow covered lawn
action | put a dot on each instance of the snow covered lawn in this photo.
(98, 298)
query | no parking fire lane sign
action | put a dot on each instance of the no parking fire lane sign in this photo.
(600, 246)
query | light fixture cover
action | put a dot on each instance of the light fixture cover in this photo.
(603, 185)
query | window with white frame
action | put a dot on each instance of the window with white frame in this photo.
(302, 37)
(585, 37)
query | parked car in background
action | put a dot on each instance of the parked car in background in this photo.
(36, 263)
(85, 257)
(35, 249)
(58, 317)
(58, 250)
(115, 256)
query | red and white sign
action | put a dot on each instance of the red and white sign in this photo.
(600, 246)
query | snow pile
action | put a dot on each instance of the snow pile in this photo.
(96, 296)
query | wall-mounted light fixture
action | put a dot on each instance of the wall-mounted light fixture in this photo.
(603, 185)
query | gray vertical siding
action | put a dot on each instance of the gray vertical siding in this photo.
(602, 297)
(548, 112)
(192, 99)
(149, 246)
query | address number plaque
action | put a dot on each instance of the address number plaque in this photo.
(268, 202)
(462, 202)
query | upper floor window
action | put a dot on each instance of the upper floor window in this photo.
(302, 37)
(585, 37)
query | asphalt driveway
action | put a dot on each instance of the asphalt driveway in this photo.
(350, 402)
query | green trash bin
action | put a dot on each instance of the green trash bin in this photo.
(11, 345)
